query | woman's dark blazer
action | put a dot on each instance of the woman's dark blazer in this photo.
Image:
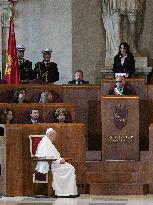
(127, 67)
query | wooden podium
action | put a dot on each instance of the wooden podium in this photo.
(120, 128)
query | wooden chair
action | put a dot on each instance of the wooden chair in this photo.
(39, 177)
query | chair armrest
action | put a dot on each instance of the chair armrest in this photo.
(67, 159)
(39, 159)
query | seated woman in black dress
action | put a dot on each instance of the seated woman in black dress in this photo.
(20, 96)
(7, 116)
(124, 61)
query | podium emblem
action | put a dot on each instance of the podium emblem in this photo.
(120, 116)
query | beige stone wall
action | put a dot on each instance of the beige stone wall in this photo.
(46, 23)
(146, 38)
(75, 31)
(88, 37)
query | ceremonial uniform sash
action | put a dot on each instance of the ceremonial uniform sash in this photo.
(118, 91)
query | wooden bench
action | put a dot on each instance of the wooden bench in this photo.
(21, 111)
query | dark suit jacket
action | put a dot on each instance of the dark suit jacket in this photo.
(127, 67)
(81, 82)
(127, 90)
(30, 122)
(26, 72)
(50, 68)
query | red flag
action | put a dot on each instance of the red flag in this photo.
(12, 75)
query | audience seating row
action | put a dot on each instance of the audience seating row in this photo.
(83, 96)
(33, 91)
(22, 111)
(87, 100)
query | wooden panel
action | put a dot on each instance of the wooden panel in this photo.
(120, 128)
(119, 189)
(21, 110)
(51, 108)
(14, 161)
(70, 142)
(146, 117)
(94, 125)
(81, 95)
(150, 92)
(7, 91)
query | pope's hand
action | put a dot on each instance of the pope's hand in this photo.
(62, 161)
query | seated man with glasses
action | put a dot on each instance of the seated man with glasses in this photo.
(120, 88)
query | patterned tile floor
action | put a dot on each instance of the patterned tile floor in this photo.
(84, 199)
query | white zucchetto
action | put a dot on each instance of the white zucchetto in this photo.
(49, 130)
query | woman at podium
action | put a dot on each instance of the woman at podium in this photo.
(124, 61)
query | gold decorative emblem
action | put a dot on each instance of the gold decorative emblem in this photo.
(120, 116)
(8, 64)
(120, 139)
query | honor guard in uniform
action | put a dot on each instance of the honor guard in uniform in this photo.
(46, 70)
(25, 66)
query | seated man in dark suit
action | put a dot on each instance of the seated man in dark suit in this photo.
(34, 117)
(121, 88)
(46, 70)
(25, 66)
(78, 78)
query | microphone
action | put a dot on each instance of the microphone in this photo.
(78, 81)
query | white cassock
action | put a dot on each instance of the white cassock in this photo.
(64, 178)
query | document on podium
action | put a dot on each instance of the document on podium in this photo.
(122, 74)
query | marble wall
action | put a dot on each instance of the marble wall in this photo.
(88, 38)
(46, 23)
(145, 42)
(75, 31)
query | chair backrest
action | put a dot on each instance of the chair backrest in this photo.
(34, 141)
(6, 96)
(37, 176)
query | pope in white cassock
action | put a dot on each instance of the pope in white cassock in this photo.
(64, 178)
